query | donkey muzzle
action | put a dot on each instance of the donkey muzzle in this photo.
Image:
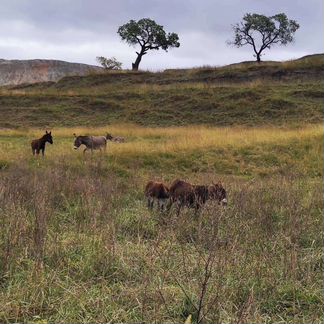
(224, 202)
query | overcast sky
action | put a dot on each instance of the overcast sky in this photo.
(80, 30)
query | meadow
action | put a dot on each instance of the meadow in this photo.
(79, 245)
(77, 242)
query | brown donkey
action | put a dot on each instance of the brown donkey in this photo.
(38, 145)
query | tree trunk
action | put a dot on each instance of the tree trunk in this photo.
(140, 54)
(258, 57)
(135, 65)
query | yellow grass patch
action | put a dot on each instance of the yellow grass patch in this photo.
(139, 140)
(180, 137)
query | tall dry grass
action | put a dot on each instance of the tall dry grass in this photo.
(77, 243)
(80, 246)
(163, 140)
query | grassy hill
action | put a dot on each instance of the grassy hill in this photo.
(240, 94)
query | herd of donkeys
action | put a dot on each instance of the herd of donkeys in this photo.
(181, 193)
(90, 142)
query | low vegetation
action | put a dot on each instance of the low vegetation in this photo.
(79, 245)
(269, 93)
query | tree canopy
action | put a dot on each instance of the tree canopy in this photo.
(148, 35)
(262, 32)
(109, 63)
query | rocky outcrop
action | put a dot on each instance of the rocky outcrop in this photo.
(14, 72)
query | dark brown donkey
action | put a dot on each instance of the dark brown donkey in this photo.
(184, 194)
(38, 145)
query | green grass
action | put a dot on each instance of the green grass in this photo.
(245, 94)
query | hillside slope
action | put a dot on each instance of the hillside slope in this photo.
(243, 94)
(13, 72)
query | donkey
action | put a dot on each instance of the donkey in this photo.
(195, 196)
(118, 139)
(91, 142)
(156, 191)
(38, 145)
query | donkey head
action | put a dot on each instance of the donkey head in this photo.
(77, 141)
(217, 192)
(48, 137)
(109, 137)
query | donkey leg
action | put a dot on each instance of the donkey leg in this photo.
(168, 205)
(161, 205)
(164, 206)
(197, 210)
(150, 202)
(178, 208)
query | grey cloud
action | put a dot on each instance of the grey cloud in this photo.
(80, 30)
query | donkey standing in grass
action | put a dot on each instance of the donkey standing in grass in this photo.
(38, 145)
(91, 142)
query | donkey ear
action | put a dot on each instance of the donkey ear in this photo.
(50, 133)
(46, 132)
